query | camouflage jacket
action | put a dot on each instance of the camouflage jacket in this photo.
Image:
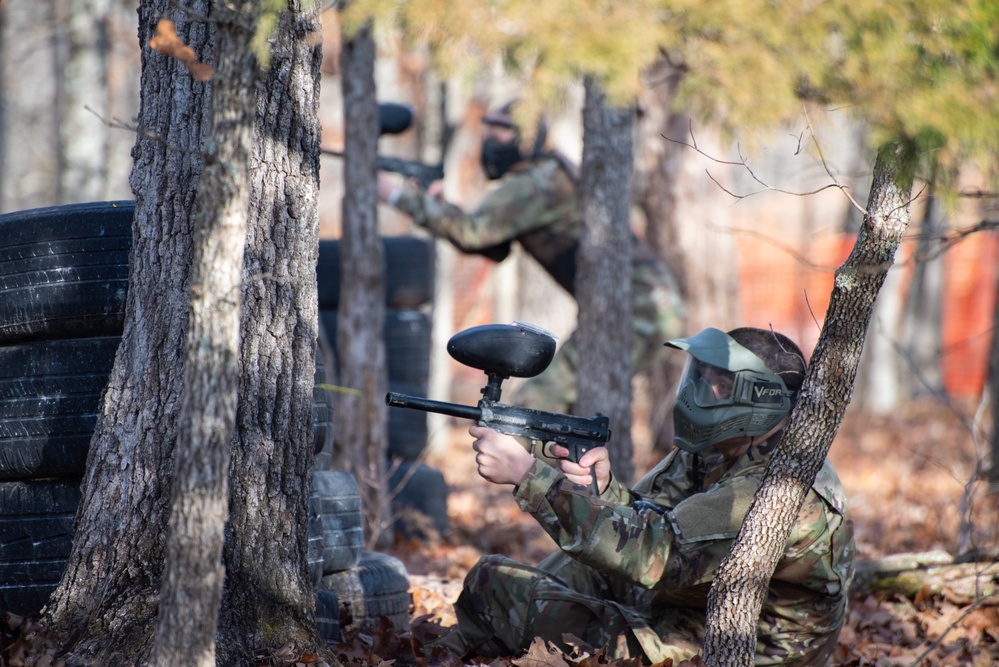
(535, 205)
(672, 556)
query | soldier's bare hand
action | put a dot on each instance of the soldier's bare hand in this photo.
(582, 473)
(500, 458)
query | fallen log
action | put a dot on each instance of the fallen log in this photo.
(960, 580)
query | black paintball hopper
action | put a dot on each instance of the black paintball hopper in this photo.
(504, 350)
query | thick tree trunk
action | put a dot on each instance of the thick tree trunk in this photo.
(193, 572)
(741, 583)
(105, 607)
(603, 281)
(268, 600)
(362, 417)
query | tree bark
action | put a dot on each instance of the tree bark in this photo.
(362, 417)
(104, 609)
(268, 600)
(603, 280)
(741, 583)
(193, 572)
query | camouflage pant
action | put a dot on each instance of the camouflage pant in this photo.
(504, 605)
(657, 316)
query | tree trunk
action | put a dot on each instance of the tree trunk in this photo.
(741, 583)
(3, 101)
(83, 138)
(992, 398)
(689, 229)
(193, 572)
(362, 418)
(268, 600)
(922, 323)
(104, 609)
(603, 281)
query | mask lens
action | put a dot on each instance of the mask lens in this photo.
(708, 385)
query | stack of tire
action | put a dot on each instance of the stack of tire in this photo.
(63, 284)
(370, 585)
(63, 280)
(419, 491)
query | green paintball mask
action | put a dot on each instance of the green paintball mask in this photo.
(725, 391)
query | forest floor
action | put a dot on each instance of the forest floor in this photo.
(911, 483)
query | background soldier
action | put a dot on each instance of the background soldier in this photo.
(536, 205)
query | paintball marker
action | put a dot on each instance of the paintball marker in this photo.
(514, 350)
(394, 119)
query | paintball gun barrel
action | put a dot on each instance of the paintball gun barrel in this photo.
(396, 118)
(504, 351)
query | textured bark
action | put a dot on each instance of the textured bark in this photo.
(362, 418)
(603, 280)
(104, 609)
(740, 585)
(268, 599)
(193, 572)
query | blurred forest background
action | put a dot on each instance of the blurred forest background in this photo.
(749, 225)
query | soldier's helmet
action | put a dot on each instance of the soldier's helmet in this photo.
(497, 156)
(727, 390)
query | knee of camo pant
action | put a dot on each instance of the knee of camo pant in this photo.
(492, 607)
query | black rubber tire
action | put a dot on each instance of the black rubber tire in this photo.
(407, 345)
(64, 270)
(409, 272)
(36, 535)
(336, 501)
(50, 394)
(419, 500)
(377, 586)
(328, 616)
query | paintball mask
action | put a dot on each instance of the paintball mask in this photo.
(725, 391)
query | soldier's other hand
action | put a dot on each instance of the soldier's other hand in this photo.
(500, 458)
(581, 473)
(387, 186)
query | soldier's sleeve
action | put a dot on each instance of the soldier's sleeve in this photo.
(643, 547)
(519, 205)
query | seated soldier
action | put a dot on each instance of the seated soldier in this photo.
(635, 564)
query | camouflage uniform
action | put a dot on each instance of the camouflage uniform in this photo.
(536, 205)
(637, 580)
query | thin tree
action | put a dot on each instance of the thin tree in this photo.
(362, 417)
(84, 140)
(603, 279)
(741, 583)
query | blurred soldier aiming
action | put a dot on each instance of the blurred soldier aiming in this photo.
(635, 565)
(536, 204)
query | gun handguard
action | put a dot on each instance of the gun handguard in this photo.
(577, 434)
